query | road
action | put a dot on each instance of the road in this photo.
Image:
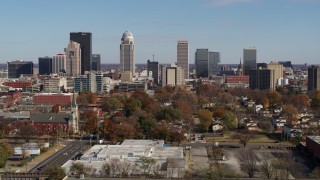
(70, 151)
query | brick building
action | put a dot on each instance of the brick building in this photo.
(53, 98)
(18, 84)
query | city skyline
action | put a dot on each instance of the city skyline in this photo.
(284, 30)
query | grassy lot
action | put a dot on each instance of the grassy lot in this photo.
(229, 137)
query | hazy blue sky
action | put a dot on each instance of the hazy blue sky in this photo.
(280, 29)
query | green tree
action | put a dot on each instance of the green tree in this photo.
(169, 113)
(111, 104)
(205, 117)
(55, 172)
(132, 104)
(146, 124)
(229, 121)
(5, 152)
(145, 164)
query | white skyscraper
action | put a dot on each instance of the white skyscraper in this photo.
(127, 54)
(183, 57)
(59, 63)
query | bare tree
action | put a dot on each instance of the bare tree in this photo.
(216, 154)
(244, 137)
(267, 167)
(283, 162)
(247, 160)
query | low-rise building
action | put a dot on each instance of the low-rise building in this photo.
(169, 160)
(63, 99)
(27, 149)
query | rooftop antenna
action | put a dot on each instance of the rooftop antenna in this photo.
(153, 57)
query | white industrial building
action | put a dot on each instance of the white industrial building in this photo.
(27, 149)
(170, 161)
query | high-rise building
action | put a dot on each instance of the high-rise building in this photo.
(127, 53)
(202, 63)
(172, 75)
(277, 70)
(81, 84)
(59, 63)
(261, 79)
(183, 57)
(19, 67)
(96, 62)
(313, 78)
(214, 60)
(249, 60)
(73, 62)
(85, 41)
(45, 65)
(153, 66)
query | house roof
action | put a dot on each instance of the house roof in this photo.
(50, 117)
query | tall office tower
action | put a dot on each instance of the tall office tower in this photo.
(73, 62)
(127, 56)
(19, 67)
(313, 78)
(85, 41)
(153, 66)
(172, 75)
(202, 63)
(261, 79)
(45, 65)
(96, 62)
(183, 57)
(249, 60)
(59, 63)
(214, 60)
(277, 71)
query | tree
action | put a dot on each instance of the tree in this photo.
(290, 113)
(79, 168)
(274, 98)
(244, 137)
(55, 172)
(267, 167)
(145, 164)
(229, 121)
(124, 131)
(283, 162)
(205, 117)
(248, 162)
(146, 124)
(5, 152)
(91, 121)
(26, 130)
(132, 104)
(176, 136)
(169, 113)
(55, 108)
(216, 154)
(87, 98)
(315, 101)
(111, 104)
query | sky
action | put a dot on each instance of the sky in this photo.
(280, 30)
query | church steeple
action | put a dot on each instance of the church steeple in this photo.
(240, 69)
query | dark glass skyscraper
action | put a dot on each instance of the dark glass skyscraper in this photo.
(45, 65)
(153, 66)
(202, 62)
(85, 41)
(313, 78)
(16, 68)
(96, 62)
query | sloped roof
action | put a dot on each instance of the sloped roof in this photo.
(50, 117)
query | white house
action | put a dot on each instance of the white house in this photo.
(27, 149)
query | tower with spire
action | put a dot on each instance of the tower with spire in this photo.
(240, 69)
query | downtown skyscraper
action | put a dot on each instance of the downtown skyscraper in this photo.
(183, 57)
(85, 41)
(127, 53)
(73, 62)
(249, 60)
(45, 65)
